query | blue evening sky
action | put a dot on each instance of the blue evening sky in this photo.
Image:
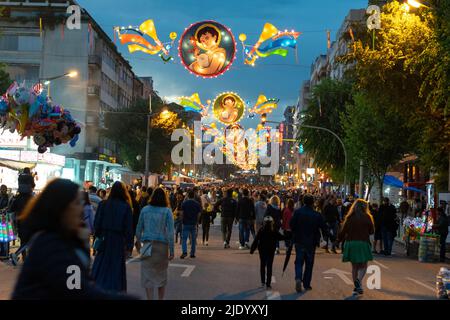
(275, 76)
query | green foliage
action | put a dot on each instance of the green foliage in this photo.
(328, 102)
(372, 135)
(5, 81)
(128, 129)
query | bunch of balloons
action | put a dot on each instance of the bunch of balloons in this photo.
(31, 113)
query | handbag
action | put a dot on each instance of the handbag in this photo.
(99, 242)
(146, 250)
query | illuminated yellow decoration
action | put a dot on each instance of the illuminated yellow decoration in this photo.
(264, 105)
(139, 43)
(278, 44)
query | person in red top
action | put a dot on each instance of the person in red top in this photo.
(288, 211)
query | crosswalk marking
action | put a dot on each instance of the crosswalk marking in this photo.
(421, 284)
(273, 295)
(380, 264)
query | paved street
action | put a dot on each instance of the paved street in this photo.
(218, 274)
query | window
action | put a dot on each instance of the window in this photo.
(9, 42)
(30, 43)
(20, 43)
(27, 73)
(109, 86)
(108, 57)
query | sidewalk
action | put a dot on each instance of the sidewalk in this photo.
(8, 276)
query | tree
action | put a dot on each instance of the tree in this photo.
(128, 129)
(434, 64)
(375, 136)
(400, 80)
(328, 102)
(5, 81)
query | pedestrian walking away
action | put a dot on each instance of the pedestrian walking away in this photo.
(245, 215)
(156, 230)
(266, 243)
(357, 228)
(191, 213)
(306, 225)
(273, 210)
(228, 208)
(113, 239)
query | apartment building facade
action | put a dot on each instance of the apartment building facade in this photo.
(35, 44)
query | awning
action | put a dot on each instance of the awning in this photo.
(16, 165)
(397, 183)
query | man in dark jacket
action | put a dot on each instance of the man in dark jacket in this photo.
(245, 214)
(191, 213)
(388, 224)
(306, 225)
(228, 207)
(18, 204)
(331, 215)
(4, 198)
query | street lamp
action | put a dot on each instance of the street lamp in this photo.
(47, 81)
(416, 4)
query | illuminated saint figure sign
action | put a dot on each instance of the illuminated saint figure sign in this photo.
(207, 49)
(228, 108)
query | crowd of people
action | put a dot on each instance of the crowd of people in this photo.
(64, 225)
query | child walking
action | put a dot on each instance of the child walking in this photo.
(266, 242)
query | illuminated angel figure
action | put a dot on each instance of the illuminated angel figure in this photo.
(212, 60)
(229, 112)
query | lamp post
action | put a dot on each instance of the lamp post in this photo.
(336, 136)
(47, 81)
(147, 145)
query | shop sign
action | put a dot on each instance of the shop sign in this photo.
(33, 157)
(14, 140)
(310, 171)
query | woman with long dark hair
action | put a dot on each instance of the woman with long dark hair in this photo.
(113, 239)
(54, 223)
(356, 230)
(156, 229)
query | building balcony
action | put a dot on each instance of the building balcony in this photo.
(93, 90)
(95, 60)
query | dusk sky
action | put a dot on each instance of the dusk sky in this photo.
(275, 76)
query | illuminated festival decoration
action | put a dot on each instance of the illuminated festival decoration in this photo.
(207, 49)
(134, 37)
(278, 43)
(264, 105)
(228, 108)
(193, 103)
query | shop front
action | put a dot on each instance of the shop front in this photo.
(45, 167)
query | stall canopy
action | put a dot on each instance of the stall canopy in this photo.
(397, 183)
(16, 165)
